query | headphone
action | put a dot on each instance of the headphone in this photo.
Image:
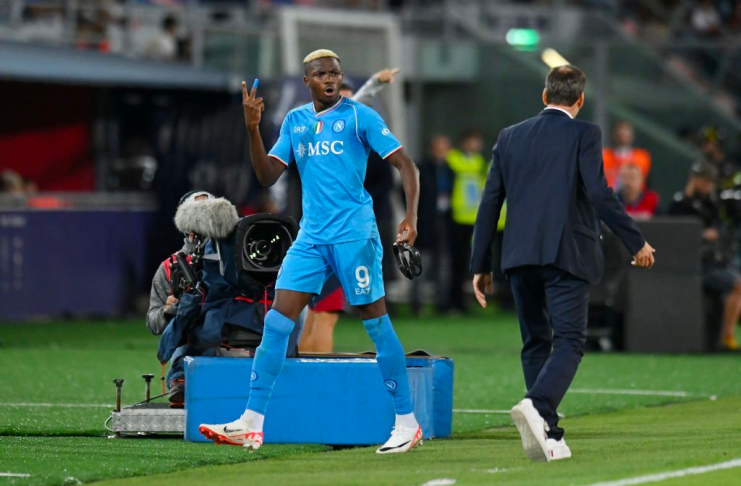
(192, 195)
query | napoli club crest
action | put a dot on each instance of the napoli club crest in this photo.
(338, 126)
(390, 385)
(253, 376)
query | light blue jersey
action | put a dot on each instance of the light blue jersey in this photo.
(331, 150)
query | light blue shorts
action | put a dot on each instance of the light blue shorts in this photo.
(357, 265)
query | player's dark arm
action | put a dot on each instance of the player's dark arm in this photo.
(410, 181)
(487, 217)
(268, 169)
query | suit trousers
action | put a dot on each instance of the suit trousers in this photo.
(552, 310)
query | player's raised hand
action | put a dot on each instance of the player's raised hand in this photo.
(387, 75)
(407, 232)
(482, 285)
(252, 105)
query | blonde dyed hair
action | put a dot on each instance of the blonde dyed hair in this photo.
(319, 54)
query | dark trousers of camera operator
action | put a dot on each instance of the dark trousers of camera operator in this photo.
(460, 255)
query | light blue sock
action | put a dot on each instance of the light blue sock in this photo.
(269, 359)
(391, 362)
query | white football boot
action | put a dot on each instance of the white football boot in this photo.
(237, 433)
(557, 449)
(532, 430)
(402, 439)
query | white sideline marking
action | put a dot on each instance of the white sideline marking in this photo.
(614, 391)
(490, 412)
(440, 482)
(493, 470)
(654, 478)
(61, 405)
(14, 475)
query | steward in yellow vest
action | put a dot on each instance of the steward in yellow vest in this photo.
(470, 169)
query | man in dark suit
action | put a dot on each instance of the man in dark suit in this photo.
(550, 170)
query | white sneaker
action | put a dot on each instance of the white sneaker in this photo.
(402, 439)
(237, 433)
(557, 449)
(532, 429)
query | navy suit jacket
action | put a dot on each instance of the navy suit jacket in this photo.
(550, 170)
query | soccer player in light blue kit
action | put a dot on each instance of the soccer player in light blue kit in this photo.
(329, 140)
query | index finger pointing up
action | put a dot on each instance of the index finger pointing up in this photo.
(244, 91)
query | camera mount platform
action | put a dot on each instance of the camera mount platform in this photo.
(148, 418)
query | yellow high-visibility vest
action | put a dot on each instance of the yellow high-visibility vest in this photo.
(470, 176)
(502, 217)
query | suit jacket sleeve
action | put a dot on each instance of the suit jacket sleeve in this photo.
(609, 209)
(488, 215)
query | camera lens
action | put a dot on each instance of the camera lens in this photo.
(262, 248)
(266, 245)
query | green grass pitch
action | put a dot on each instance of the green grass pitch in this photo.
(56, 391)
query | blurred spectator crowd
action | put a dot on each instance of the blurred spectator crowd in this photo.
(697, 37)
(160, 33)
(703, 19)
(107, 26)
(712, 194)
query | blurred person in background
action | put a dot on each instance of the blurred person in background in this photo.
(379, 176)
(623, 153)
(113, 15)
(734, 22)
(321, 318)
(706, 23)
(719, 273)
(436, 185)
(41, 23)
(639, 203)
(164, 45)
(162, 304)
(374, 85)
(469, 175)
(325, 309)
(12, 183)
(705, 20)
(100, 28)
(713, 150)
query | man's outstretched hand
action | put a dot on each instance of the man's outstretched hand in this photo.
(645, 257)
(482, 285)
(387, 75)
(253, 107)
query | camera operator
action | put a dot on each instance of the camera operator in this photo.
(719, 272)
(226, 285)
(162, 303)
